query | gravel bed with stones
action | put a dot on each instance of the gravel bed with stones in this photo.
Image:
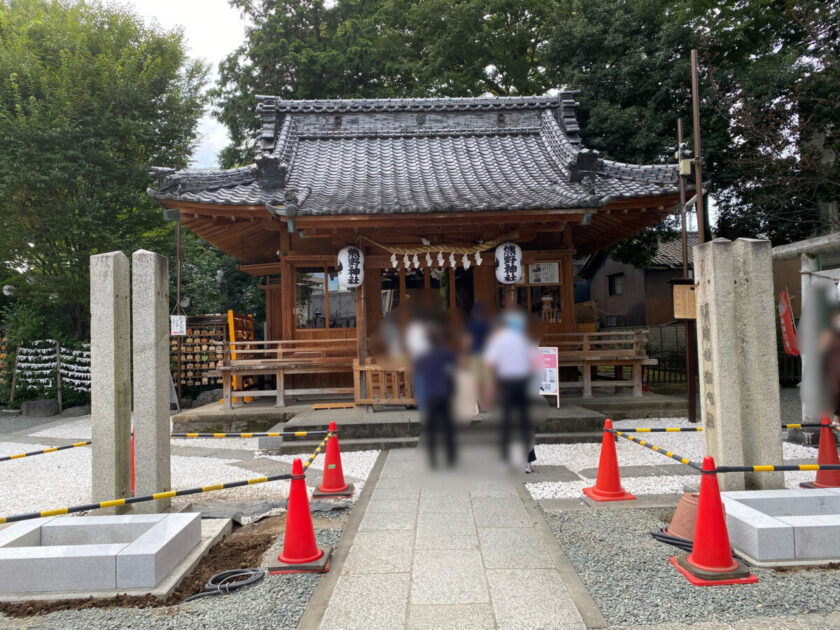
(629, 575)
(277, 602)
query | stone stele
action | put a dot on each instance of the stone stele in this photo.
(150, 316)
(739, 378)
(110, 377)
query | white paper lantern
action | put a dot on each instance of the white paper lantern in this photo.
(509, 263)
(351, 267)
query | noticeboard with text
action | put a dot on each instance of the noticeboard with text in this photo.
(549, 385)
(178, 325)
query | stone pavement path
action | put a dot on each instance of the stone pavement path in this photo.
(447, 552)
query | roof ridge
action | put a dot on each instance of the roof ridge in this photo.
(484, 103)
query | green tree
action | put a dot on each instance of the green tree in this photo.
(377, 49)
(90, 98)
(213, 283)
(768, 70)
(305, 49)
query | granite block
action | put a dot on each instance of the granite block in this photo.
(150, 558)
(59, 568)
(448, 577)
(380, 552)
(513, 548)
(367, 602)
(97, 530)
(759, 535)
(24, 533)
(815, 535)
(532, 598)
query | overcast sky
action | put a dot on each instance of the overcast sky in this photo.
(213, 30)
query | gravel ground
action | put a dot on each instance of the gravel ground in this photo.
(277, 602)
(578, 457)
(632, 582)
(63, 478)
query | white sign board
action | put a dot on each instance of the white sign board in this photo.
(544, 273)
(549, 385)
(178, 325)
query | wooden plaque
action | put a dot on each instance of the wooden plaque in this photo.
(685, 301)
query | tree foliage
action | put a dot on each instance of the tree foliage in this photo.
(90, 97)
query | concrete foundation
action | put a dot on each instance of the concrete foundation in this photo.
(95, 553)
(784, 527)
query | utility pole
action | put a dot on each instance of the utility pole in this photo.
(698, 170)
(178, 309)
(690, 325)
(680, 157)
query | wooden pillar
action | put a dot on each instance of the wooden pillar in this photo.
(484, 283)
(287, 299)
(361, 334)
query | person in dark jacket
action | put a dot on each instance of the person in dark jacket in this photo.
(436, 369)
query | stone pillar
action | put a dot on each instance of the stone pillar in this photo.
(150, 315)
(739, 376)
(110, 389)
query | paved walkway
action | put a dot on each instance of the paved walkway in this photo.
(449, 552)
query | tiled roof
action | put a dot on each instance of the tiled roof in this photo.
(669, 253)
(323, 157)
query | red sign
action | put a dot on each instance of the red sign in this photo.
(788, 327)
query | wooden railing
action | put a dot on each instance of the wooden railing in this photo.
(588, 351)
(279, 358)
(381, 384)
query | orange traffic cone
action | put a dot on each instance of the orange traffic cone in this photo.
(608, 483)
(711, 563)
(300, 551)
(826, 455)
(333, 484)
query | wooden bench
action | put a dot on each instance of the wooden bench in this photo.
(279, 358)
(591, 350)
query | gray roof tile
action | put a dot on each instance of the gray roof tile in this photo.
(369, 156)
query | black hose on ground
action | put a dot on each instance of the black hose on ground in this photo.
(227, 582)
(682, 543)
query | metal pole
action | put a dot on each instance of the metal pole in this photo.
(690, 325)
(178, 304)
(698, 171)
(682, 199)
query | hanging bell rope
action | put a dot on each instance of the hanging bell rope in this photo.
(443, 247)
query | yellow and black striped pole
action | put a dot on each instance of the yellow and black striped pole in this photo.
(658, 449)
(660, 429)
(776, 468)
(249, 435)
(52, 449)
(159, 495)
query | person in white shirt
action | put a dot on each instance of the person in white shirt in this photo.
(513, 357)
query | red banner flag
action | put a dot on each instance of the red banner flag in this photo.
(788, 327)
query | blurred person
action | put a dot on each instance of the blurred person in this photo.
(830, 345)
(436, 370)
(478, 331)
(514, 358)
(417, 345)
